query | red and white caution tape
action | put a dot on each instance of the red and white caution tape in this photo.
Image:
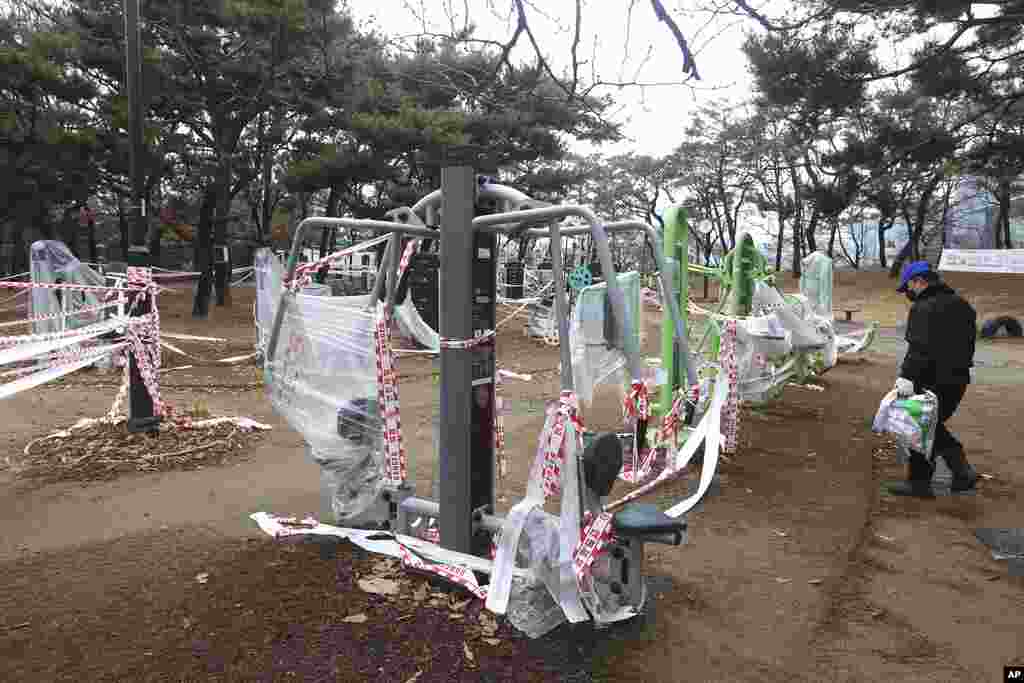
(458, 575)
(483, 338)
(62, 314)
(30, 346)
(637, 404)
(595, 537)
(58, 285)
(554, 454)
(640, 466)
(672, 422)
(48, 375)
(387, 399)
(730, 368)
(304, 272)
(410, 249)
(499, 420)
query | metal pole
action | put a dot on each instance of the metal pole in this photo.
(458, 188)
(561, 308)
(140, 403)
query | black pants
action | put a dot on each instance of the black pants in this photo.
(949, 396)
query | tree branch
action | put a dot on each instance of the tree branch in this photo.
(689, 65)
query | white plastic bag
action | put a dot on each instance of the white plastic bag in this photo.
(911, 421)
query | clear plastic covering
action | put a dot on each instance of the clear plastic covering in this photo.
(594, 360)
(792, 312)
(269, 276)
(52, 262)
(323, 381)
(816, 283)
(532, 608)
(541, 322)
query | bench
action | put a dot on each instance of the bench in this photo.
(849, 311)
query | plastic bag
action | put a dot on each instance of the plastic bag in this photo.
(911, 421)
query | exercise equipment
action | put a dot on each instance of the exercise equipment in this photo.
(469, 215)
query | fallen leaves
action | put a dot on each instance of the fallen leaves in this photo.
(103, 451)
(202, 577)
(378, 586)
(356, 619)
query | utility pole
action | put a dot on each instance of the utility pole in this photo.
(140, 403)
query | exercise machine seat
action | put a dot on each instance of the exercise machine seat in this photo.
(641, 519)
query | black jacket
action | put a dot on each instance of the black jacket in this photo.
(941, 329)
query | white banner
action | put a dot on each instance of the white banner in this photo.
(983, 260)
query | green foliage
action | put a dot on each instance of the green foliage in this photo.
(411, 120)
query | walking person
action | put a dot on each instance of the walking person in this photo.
(941, 330)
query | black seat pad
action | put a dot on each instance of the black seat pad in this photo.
(602, 462)
(636, 519)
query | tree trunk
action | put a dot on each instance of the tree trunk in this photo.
(897, 264)
(797, 232)
(203, 247)
(945, 211)
(19, 256)
(922, 212)
(153, 238)
(778, 246)
(221, 248)
(832, 238)
(122, 224)
(91, 233)
(882, 229)
(263, 227)
(1003, 225)
(328, 236)
(69, 231)
(222, 261)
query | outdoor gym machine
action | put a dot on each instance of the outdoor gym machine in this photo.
(465, 508)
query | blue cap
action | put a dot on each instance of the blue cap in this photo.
(912, 270)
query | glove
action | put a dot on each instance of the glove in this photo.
(904, 387)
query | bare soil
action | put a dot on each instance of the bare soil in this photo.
(799, 570)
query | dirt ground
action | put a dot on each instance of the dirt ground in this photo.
(800, 569)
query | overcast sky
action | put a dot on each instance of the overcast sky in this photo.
(640, 49)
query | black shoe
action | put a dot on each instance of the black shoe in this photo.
(911, 488)
(919, 479)
(965, 478)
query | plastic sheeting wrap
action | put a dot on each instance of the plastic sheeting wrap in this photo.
(762, 342)
(911, 421)
(793, 313)
(532, 607)
(407, 319)
(594, 360)
(53, 262)
(540, 321)
(816, 283)
(323, 381)
(269, 276)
